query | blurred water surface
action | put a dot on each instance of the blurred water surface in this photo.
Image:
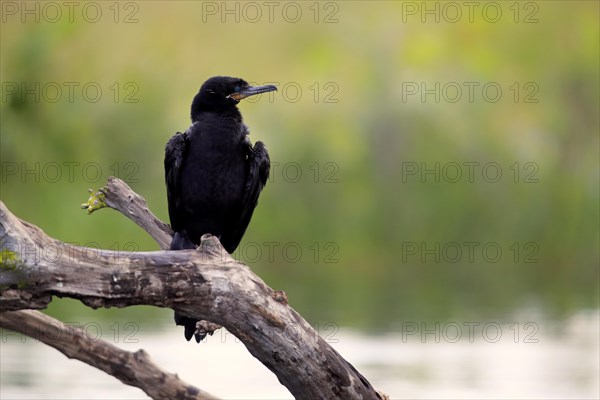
(542, 360)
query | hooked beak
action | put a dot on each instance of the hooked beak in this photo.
(251, 91)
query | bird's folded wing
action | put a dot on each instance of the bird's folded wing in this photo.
(175, 152)
(258, 166)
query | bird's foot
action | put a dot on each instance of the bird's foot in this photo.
(204, 328)
(95, 201)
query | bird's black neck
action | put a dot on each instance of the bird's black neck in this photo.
(231, 113)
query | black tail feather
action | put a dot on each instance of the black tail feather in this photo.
(181, 241)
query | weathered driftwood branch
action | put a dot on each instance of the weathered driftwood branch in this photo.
(204, 284)
(119, 196)
(134, 369)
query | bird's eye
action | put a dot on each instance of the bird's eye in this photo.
(236, 89)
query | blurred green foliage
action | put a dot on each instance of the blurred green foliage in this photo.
(345, 135)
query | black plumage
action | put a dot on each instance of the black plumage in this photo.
(213, 173)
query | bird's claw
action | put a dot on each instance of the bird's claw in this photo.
(95, 201)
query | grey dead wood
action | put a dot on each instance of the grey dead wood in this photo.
(134, 369)
(205, 284)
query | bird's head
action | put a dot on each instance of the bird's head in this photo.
(222, 93)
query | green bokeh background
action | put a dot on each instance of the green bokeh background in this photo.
(343, 119)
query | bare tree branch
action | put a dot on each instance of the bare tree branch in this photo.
(206, 284)
(119, 196)
(134, 369)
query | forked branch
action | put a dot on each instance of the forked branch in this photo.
(205, 284)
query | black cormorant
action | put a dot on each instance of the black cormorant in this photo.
(213, 173)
